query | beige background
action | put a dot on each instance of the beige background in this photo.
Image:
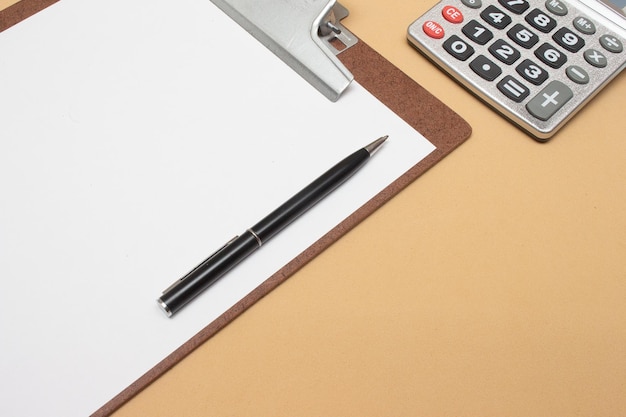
(495, 285)
(492, 286)
(6, 3)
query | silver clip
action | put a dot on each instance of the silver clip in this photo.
(333, 33)
(292, 29)
(178, 281)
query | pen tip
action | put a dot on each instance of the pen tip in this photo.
(372, 147)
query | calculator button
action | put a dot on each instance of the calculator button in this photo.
(485, 68)
(513, 89)
(584, 25)
(611, 44)
(522, 36)
(595, 58)
(540, 21)
(504, 52)
(557, 7)
(433, 29)
(458, 48)
(568, 40)
(495, 17)
(577, 74)
(452, 14)
(515, 6)
(477, 32)
(549, 100)
(532, 72)
(550, 56)
(473, 4)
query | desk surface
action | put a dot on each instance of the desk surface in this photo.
(493, 286)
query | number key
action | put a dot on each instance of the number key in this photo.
(495, 17)
(458, 48)
(515, 6)
(540, 21)
(477, 32)
(532, 72)
(504, 52)
(550, 56)
(472, 4)
(568, 40)
(522, 36)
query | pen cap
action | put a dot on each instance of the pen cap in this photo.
(207, 273)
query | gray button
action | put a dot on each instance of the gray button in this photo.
(513, 89)
(595, 58)
(577, 74)
(611, 44)
(473, 4)
(549, 100)
(485, 68)
(584, 25)
(557, 7)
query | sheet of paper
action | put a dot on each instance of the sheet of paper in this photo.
(137, 138)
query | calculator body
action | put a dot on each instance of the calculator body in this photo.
(536, 62)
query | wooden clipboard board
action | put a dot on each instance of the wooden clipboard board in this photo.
(437, 122)
(412, 103)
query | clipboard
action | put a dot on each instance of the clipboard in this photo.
(412, 103)
(444, 128)
(14, 12)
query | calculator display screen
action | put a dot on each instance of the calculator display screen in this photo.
(618, 5)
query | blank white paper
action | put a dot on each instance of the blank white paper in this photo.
(137, 138)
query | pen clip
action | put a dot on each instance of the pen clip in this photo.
(178, 281)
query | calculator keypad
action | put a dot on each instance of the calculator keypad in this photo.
(537, 63)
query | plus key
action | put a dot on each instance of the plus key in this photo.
(549, 100)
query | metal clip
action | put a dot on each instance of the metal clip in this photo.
(333, 33)
(178, 281)
(294, 31)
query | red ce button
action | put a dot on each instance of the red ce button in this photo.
(452, 14)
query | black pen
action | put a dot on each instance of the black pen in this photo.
(240, 247)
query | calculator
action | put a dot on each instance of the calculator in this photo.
(535, 62)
